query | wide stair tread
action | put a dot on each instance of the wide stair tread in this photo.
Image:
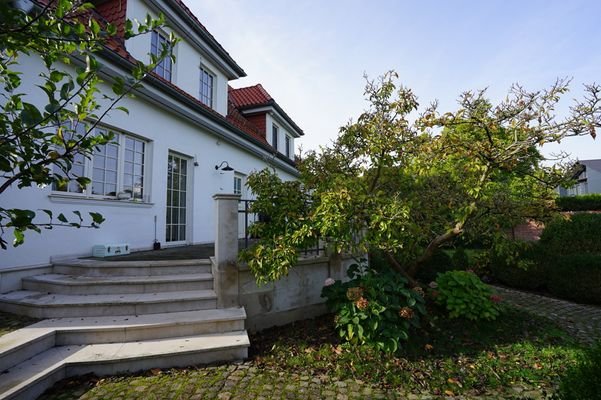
(132, 268)
(84, 280)
(58, 362)
(114, 284)
(49, 305)
(57, 300)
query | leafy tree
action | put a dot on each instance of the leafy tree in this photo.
(38, 143)
(406, 184)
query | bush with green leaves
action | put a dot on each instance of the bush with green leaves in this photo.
(583, 381)
(375, 308)
(525, 267)
(439, 263)
(464, 295)
(571, 234)
(585, 202)
(576, 277)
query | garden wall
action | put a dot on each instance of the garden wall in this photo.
(294, 297)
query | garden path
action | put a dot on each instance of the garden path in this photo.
(582, 321)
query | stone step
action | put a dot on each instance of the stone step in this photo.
(131, 268)
(74, 284)
(18, 346)
(30, 378)
(44, 305)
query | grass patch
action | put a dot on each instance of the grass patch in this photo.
(11, 322)
(452, 356)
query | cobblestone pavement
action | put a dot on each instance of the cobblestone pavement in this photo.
(244, 381)
(582, 321)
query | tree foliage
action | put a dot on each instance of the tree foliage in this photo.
(406, 183)
(39, 142)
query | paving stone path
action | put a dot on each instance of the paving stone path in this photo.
(582, 321)
(246, 382)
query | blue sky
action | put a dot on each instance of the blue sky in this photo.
(311, 54)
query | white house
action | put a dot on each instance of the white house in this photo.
(185, 127)
(587, 174)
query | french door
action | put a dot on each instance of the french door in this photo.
(177, 199)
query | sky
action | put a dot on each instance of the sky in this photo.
(312, 55)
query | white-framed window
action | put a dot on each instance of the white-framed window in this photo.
(207, 81)
(238, 183)
(164, 67)
(69, 183)
(116, 169)
(288, 146)
(274, 136)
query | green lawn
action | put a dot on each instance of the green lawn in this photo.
(451, 356)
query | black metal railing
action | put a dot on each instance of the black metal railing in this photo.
(246, 218)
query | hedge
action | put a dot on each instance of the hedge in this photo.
(575, 234)
(530, 278)
(576, 277)
(586, 202)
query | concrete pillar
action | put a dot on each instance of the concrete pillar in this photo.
(225, 266)
(336, 266)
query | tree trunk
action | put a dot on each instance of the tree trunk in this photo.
(399, 268)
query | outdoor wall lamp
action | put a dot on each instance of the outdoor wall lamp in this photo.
(224, 168)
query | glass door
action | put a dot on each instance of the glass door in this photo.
(177, 181)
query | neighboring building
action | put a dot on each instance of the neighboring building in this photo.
(587, 177)
(184, 128)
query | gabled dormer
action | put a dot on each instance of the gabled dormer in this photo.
(202, 68)
(259, 108)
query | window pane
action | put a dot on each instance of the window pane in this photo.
(111, 176)
(98, 161)
(112, 151)
(111, 164)
(110, 190)
(97, 188)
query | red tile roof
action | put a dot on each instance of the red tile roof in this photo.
(249, 96)
(114, 12)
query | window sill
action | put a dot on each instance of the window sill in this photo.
(71, 199)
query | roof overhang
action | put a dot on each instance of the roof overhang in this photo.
(230, 68)
(208, 119)
(276, 112)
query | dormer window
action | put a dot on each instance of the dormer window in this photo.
(205, 94)
(287, 146)
(158, 42)
(274, 136)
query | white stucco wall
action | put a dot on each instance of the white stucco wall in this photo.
(189, 58)
(129, 222)
(282, 133)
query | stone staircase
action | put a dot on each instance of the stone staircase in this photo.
(110, 317)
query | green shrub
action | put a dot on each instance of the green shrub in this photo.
(576, 277)
(375, 308)
(460, 259)
(464, 295)
(578, 233)
(439, 263)
(526, 268)
(583, 381)
(586, 202)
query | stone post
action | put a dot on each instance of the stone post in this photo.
(225, 265)
(336, 267)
